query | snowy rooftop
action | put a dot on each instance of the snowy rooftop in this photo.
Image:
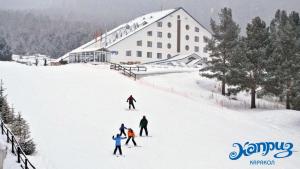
(121, 32)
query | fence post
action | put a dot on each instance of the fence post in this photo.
(2, 129)
(19, 154)
(26, 163)
(12, 144)
(7, 135)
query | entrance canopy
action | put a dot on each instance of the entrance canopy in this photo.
(102, 55)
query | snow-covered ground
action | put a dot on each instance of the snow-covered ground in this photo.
(10, 162)
(74, 110)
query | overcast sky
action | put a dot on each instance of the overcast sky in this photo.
(118, 11)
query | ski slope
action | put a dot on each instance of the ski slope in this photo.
(74, 110)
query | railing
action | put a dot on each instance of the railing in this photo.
(127, 70)
(136, 68)
(15, 147)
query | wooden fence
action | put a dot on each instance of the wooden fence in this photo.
(127, 70)
(15, 147)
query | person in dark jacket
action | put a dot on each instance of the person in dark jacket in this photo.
(118, 143)
(143, 126)
(122, 130)
(131, 135)
(130, 101)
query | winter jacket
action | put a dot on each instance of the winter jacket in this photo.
(131, 99)
(118, 140)
(131, 133)
(144, 122)
(122, 128)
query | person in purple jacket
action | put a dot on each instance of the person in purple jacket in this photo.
(118, 143)
(122, 130)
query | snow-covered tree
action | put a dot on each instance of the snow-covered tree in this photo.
(248, 64)
(5, 52)
(20, 128)
(296, 96)
(283, 65)
(221, 47)
(6, 114)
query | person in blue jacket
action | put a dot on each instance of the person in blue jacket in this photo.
(122, 130)
(118, 143)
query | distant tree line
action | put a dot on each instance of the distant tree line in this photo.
(264, 61)
(17, 124)
(29, 33)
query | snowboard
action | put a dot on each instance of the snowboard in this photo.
(127, 109)
(132, 146)
(118, 155)
(144, 136)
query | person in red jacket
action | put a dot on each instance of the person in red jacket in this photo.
(131, 135)
(130, 101)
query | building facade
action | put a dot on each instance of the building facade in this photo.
(153, 37)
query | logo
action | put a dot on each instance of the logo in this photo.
(276, 150)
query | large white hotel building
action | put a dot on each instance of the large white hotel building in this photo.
(156, 36)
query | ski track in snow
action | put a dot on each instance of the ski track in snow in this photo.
(74, 110)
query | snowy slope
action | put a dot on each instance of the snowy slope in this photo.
(74, 110)
(10, 161)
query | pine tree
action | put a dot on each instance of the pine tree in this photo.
(296, 96)
(21, 129)
(220, 47)
(5, 52)
(283, 65)
(247, 70)
(6, 114)
(19, 125)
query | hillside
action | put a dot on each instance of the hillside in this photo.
(30, 32)
(74, 110)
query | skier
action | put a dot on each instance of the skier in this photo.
(118, 143)
(131, 135)
(3, 153)
(143, 126)
(122, 130)
(130, 100)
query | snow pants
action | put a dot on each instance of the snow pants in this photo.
(146, 131)
(122, 132)
(131, 104)
(118, 148)
(132, 140)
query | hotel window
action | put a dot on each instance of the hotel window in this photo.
(159, 56)
(196, 48)
(187, 37)
(149, 33)
(187, 47)
(128, 53)
(169, 56)
(149, 44)
(139, 53)
(169, 24)
(169, 35)
(197, 29)
(187, 27)
(196, 38)
(159, 45)
(159, 24)
(169, 46)
(159, 34)
(139, 43)
(178, 16)
(149, 54)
